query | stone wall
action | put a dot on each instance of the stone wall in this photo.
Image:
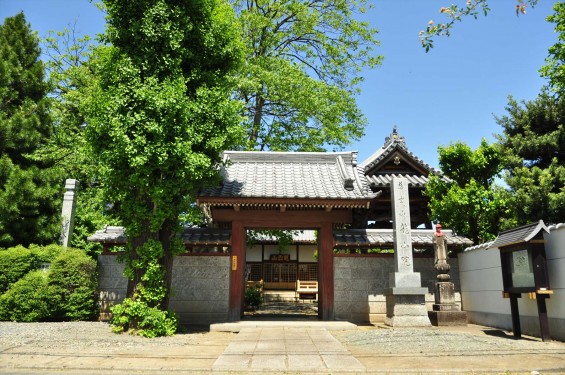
(200, 291)
(111, 283)
(360, 282)
(481, 283)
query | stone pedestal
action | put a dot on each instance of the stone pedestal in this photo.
(406, 307)
(445, 310)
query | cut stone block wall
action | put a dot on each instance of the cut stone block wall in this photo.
(200, 291)
(200, 287)
(481, 289)
(111, 283)
(360, 282)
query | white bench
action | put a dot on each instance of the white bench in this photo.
(306, 289)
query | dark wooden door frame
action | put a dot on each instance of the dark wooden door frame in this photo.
(319, 220)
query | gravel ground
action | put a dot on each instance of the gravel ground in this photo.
(92, 348)
(83, 335)
(441, 341)
(80, 336)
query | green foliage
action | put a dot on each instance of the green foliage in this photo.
(253, 297)
(469, 203)
(69, 65)
(302, 72)
(29, 187)
(67, 291)
(15, 263)
(159, 115)
(534, 144)
(30, 299)
(456, 13)
(554, 69)
(137, 317)
(74, 280)
(283, 238)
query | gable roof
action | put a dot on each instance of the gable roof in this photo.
(291, 175)
(395, 150)
(521, 234)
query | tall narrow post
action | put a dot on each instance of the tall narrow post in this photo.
(405, 299)
(515, 312)
(543, 320)
(68, 212)
(237, 270)
(326, 272)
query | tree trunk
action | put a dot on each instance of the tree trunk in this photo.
(165, 237)
(135, 243)
(257, 118)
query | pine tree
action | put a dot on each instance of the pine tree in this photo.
(534, 141)
(28, 188)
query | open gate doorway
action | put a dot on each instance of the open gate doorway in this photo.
(281, 274)
(321, 221)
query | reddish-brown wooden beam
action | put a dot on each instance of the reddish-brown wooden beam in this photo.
(237, 270)
(326, 272)
(252, 219)
(230, 201)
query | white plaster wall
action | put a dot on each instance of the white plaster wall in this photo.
(253, 254)
(481, 289)
(307, 253)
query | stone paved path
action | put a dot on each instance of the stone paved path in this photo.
(286, 349)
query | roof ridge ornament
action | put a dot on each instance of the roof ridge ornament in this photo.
(394, 138)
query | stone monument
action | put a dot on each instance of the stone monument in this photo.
(445, 311)
(405, 299)
(68, 212)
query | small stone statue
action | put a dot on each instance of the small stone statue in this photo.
(440, 254)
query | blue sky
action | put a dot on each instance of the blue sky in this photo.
(449, 94)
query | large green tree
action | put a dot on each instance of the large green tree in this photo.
(29, 187)
(70, 68)
(159, 116)
(534, 141)
(301, 72)
(469, 203)
(554, 69)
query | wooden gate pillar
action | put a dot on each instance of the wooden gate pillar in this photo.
(237, 272)
(326, 272)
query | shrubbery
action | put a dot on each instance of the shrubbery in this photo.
(29, 299)
(66, 291)
(73, 280)
(142, 314)
(15, 263)
(137, 317)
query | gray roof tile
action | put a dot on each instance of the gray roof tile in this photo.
(190, 236)
(384, 237)
(306, 175)
(518, 235)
